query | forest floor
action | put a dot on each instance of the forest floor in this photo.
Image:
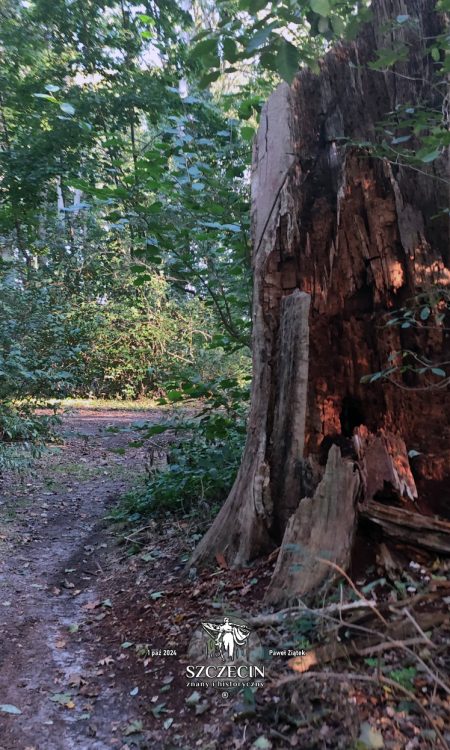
(80, 618)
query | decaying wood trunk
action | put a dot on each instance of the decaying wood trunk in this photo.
(339, 239)
(313, 529)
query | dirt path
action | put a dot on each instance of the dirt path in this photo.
(54, 547)
(80, 618)
(84, 625)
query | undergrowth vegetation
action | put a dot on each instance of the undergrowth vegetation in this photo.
(125, 150)
(192, 458)
(23, 434)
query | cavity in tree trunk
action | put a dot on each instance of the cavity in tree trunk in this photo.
(340, 237)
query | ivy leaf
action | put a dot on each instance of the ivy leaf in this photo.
(193, 698)
(439, 371)
(48, 97)
(287, 60)
(435, 54)
(134, 727)
(427, 158)
(158, 710)
(388, 57)
(69, 109)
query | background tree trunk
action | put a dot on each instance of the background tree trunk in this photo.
(339, 238)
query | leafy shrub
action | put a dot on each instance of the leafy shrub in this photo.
(203, 457)
(32, 342)
(23, 434)
(25, 324)
(137, 346)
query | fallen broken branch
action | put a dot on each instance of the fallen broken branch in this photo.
(275, 618)
(426, 531)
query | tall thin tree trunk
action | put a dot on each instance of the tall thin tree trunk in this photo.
(340, 237)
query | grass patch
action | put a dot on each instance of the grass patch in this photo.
(109, 404)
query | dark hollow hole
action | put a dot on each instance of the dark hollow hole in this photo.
(351, 415)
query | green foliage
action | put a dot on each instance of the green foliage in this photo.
(202, 459)
(124, 200)
(278, 37)
(32, 342)
(23, 434)
(425, 313)
(404, 677)
(187, 213)
(132, 341)
(144, 264)
(136, 345)
(24, 322)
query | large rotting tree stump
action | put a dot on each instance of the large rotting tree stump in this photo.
(340, 237)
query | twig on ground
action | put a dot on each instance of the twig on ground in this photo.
(386, 645)
(275, 618)
(417, 626)
(138, 531)
(340, 570)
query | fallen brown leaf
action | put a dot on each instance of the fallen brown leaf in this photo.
(221, 560)
(303, 663)
(75, 680)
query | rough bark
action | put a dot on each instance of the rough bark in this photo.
(358, 235)
(242, 530)
(288, 430)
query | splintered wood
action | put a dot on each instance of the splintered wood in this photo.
(384, 462)
(322, 527)
(406, 526)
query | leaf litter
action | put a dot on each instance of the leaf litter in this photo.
(352, 692)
